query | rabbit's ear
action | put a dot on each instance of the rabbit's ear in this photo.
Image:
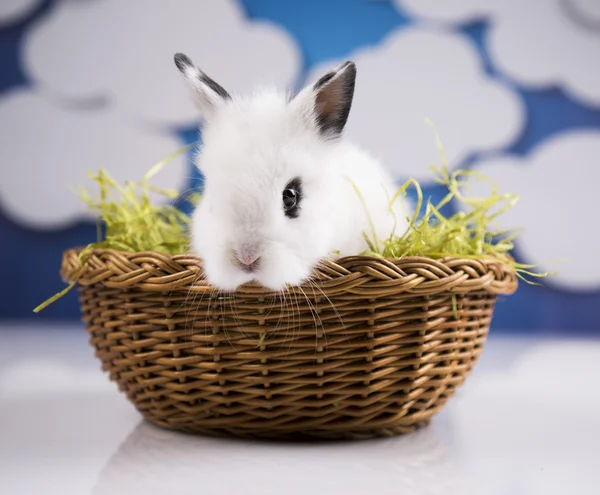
(208, 94)
(329, 99)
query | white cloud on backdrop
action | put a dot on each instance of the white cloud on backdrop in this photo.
(106, 89)
(416, 74)
(124, 51)
(47, 148)
(535, 42)
(13, 11)
(586, 12)
(558, 206)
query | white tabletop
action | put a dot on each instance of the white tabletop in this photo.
(527, 421)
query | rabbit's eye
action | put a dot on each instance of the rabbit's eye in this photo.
(292, 194)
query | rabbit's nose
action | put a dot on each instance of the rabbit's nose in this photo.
(248, 258)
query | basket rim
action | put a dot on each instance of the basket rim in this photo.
(367, 275)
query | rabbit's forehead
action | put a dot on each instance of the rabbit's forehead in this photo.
(259, 159)
(259, 128)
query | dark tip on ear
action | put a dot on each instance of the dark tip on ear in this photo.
(324, 80)
(334, 95)
(184, 64)
(330, 75)
(216, 87)
(182, 61)
(349, 68)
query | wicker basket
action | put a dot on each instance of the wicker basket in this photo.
(370, 347)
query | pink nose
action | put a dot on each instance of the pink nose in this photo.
(248, 258)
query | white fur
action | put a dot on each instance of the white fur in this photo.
(252, 147)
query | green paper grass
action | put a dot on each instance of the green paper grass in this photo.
(469, 233)
(131, 222)
(128, 220)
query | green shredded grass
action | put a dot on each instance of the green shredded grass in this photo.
(55, 297)
(261, 339)
(454, 307)
(129, 220)
(471, 232)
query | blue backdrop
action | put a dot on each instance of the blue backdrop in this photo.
(324, 30)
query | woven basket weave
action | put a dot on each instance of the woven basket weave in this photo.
(371, 347)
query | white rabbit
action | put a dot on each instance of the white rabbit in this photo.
(279, 192)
